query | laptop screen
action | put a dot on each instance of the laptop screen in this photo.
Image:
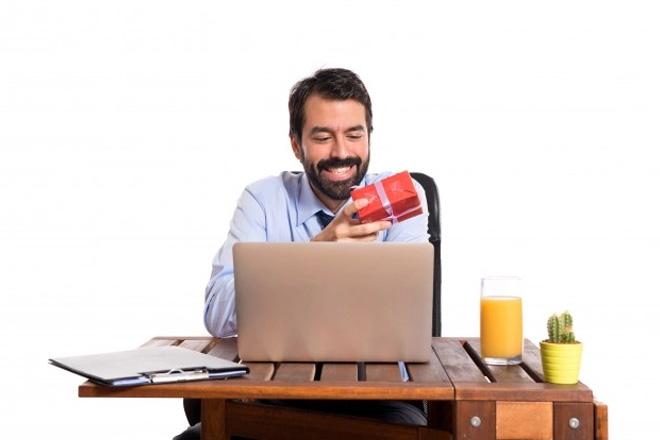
(334, 301)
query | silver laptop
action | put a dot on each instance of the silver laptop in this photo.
(334, 302)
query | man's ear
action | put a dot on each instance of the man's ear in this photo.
(295, 146)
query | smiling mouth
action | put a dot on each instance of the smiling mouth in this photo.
(340, 173)
(339, 170)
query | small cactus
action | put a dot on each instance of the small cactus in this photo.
(560, 328)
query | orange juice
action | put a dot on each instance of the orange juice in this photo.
(501, 329)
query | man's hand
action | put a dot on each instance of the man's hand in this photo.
(345, 228)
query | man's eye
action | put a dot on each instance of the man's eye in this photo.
(322, 138)
(355, 137)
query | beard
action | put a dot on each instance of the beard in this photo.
(336, 190)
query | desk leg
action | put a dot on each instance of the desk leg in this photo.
(600, 421)
(474, 420)
(213, 419)
(574, 421)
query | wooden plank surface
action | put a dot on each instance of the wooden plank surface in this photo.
(523, 392)
(200, 345)
(456, 361)
(451, 362)
(295, 372)
(160, 342)
(245, 388)
(378, 372)
(346, 372)
(225, 348)
(259, 371)
(431, 371)
(497, 373)
(532, 361)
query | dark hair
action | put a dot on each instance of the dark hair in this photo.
(335, 84)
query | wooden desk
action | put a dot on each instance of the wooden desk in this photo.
(465, 397)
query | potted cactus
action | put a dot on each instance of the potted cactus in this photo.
(561, 354)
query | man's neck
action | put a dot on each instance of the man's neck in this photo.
(332, 204)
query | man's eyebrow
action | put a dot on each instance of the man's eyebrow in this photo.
(319, 129)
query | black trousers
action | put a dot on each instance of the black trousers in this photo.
(386, 410)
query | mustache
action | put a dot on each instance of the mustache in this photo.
(334, 162)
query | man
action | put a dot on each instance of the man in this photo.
(330, 133)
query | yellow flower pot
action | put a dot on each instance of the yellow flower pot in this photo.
(561, 362)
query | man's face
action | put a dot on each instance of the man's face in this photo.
(334, 148)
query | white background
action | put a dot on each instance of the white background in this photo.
(128, 129)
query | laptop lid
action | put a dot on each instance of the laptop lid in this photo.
(334, 302)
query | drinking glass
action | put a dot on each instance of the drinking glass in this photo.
(501, 321)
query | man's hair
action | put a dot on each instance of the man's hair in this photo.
(334, 84)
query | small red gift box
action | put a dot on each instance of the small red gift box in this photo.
(393, 198)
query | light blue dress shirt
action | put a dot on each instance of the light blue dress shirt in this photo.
(283, 209)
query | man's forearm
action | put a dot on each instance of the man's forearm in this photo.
(220, 308)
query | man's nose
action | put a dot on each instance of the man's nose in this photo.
(339, 148)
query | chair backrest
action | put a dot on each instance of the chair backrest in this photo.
(435, 238)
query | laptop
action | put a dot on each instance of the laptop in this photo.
(334, 302)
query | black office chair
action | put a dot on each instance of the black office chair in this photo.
(193, 406)
(435, 238)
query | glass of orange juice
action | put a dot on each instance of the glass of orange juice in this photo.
(501, 321)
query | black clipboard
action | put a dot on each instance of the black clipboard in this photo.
(150, 365)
